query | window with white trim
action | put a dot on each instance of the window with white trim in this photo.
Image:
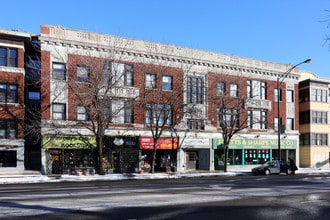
(59, 111)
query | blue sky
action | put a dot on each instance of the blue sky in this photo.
(282, 31)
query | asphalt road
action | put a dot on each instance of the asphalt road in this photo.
(222, 197)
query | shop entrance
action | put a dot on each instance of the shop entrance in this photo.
(192, 160)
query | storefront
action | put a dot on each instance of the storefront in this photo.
(165, 157)
(249, 152)
(121, 154)
(69, 154)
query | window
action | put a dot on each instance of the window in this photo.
(151, 81)
(8, 129)
(160, 114)
(122, 112)
(195, 89)
(8, 93)
(122, 74)
(82, 74)
(319, 117)
(233, 90)
(221, 89)
(304, 139)
(228, 118)
(304, 117)
(257, 119)
(277, 95)
(34, 96)
(82, 114)
(59, 71)
(256, 89)
(167, 82)
(8, 158)
(289, 96)
(319, 139)
(195, 124)
(8, 57)
(318, 95)
(59, 111)
(290, 124)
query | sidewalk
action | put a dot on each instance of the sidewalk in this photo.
(38, 178)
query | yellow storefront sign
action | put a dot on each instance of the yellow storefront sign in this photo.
(68, 142)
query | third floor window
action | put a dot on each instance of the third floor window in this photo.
(59, 71)
(8, 93)
(256, 89)
(8, 57)
(195, 90)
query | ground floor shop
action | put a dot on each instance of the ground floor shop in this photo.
(12, 156)
(250, 152)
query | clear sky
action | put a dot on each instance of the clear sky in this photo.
(282, 31)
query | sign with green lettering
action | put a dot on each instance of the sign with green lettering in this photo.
(68, 142)
(256, 144)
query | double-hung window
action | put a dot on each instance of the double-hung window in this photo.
(221, 88)
(228, 118)
(167, 82)
(59, 71)
(122, 111)
(82, 73)
(82, 114)
(8, 57)
(8, 129)
(233, 90)
(8, 93)
(59, 111)
(277, 95)
(151, 81)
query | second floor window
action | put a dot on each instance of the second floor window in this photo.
(159, 114)
(8, 57)
(59, 111)
(257, 119)
(195, 88)
(195, 124)
(228, 118)
(82, 114)
(8, 129)
(59, 71)
(277, 95)
(82, 74)
(8, 93)
(256, 89)
(289, 96)
(151, 81)
(122, 112)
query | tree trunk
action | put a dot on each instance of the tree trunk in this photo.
(153, 159)
(100, 156)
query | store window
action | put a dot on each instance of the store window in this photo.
(8, 159)
(256, 156)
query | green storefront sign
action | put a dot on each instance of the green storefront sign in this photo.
(255, 144)
(68, 142)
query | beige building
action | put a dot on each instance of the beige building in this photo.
(314, 109)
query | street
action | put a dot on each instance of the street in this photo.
(222, 197)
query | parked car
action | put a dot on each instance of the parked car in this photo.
(275, 167)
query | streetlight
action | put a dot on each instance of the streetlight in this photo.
(279, 81)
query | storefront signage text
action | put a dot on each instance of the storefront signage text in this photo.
(146, 143)
(256, 143)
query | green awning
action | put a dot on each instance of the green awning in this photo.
(68, 142)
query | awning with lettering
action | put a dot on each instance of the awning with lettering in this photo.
(147, 143)
(68, 142)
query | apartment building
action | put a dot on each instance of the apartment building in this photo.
(314, 120)
(143, 84)
(12, 78)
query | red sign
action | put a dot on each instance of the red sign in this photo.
(147, 143)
